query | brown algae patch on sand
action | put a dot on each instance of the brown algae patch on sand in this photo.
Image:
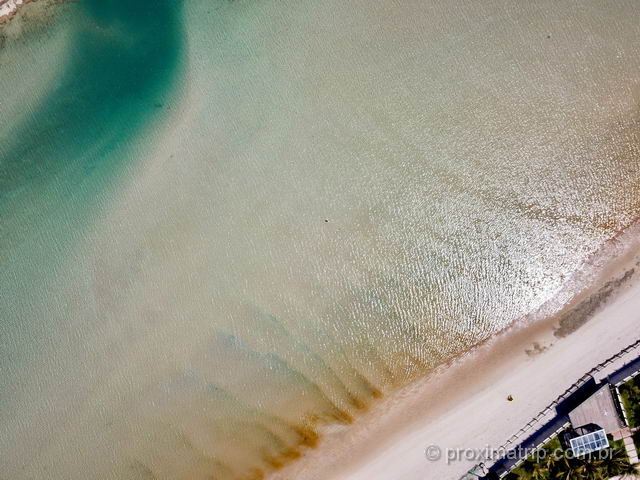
(536, 349)
(581, 314)
(308, 436)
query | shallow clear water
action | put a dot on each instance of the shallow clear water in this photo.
(262, 216)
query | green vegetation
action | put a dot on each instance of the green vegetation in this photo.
(552, 463)
(630, 393)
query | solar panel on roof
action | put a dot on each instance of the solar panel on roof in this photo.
(591, 442)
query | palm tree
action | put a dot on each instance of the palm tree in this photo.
(530, 470)
(539, 471)
(618, 463)
(552, 462)
(593, 469)
(565, 469)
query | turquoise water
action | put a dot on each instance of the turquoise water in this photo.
(226, 226)
(114, 77)
(117, 75)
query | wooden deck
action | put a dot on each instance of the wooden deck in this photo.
(599, 409)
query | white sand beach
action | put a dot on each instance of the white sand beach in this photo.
(464, 406)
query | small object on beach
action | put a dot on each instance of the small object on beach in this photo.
(326, 220)
(510, 398)
(548, 36)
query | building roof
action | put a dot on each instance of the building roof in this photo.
(599, 409)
